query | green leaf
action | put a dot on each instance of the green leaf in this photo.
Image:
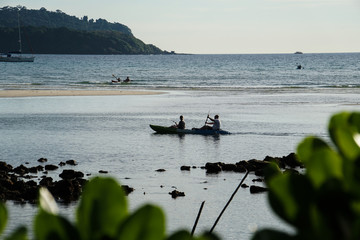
(52, 227)
(48, 225)
(180, 235)
(3, 217)
(147, 223)
(286, 197)
(19, 234)
(344, 129)
(185, 235)
(101, 210)
(322, 163)
(307, 147)
(268, 234)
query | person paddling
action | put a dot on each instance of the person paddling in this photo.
(117, 79)
(215, 122)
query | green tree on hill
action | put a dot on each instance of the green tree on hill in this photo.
(46, 32)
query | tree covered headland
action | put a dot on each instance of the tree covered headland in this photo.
(46, 32)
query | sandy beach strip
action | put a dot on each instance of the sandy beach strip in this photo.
(50, 93)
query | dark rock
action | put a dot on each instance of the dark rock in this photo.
(258, 180)
(291, 161)
(212, 167)
(239, 168)
(46, 182)
(51, 167)
(276, 160)
(5, 167)
(160, 170)
(33, 170)
(243, 165)
(21, 170)
(31, 192)
(14, 188)
(81, 181)
(175, 194)
(127, 189)
(40, 168)
(61, 164)
(244, 185)
(185, 168)
(257, 189)
(71, 162)
(31, 183)
(70, 174)
(29, 176)
(255, 165)
(66, 190)
(18, 186)
(229, 167)
(6, 183)
(103, 172)
(42, 160)
(260, 172)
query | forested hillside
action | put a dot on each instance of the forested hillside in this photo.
(49, 32)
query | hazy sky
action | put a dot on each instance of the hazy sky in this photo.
(226, 26)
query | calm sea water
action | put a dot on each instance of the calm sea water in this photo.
(266, 103)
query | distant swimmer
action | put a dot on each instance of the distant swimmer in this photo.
(299, 66)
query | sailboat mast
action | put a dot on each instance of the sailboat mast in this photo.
(20, 50)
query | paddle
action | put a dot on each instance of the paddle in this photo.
(115, 78)
(207, 117)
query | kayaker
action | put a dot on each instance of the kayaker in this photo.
(117, 80)
(127, 79)
(215, 122)
(181, 124)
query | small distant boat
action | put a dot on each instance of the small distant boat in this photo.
(298, 53)
(17, 58)
(8, 57)
(172, 130)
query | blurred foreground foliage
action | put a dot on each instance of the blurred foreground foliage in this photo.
(103, 214)
(324, 202)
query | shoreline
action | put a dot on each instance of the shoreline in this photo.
(55, 93)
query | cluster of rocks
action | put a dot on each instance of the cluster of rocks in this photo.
(287, 163)
(21, 184)
(257, 166)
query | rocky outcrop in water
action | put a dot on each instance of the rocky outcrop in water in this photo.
(17, 183)
(257, 166)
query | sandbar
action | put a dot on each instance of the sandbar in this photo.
(50, 93)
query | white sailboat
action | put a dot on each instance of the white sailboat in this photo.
(9, 57)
